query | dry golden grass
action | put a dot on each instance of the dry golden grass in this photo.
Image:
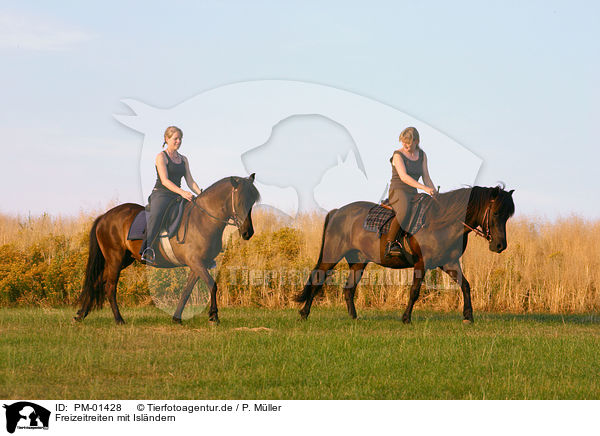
(25, 231)
(547, 267)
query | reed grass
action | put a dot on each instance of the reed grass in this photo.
(549, 266)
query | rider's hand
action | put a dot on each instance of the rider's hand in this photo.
(187, 195)
(431, 191)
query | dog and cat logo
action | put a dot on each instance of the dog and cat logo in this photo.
(26, 415)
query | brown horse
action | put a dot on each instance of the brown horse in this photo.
(228, 201)
(438, 244)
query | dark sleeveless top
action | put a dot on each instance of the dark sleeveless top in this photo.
(174, 173)
(414, 168)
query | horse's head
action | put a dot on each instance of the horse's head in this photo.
(244, 196)
(500, 207)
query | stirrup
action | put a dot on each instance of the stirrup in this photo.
(148, 256)
(393, 249)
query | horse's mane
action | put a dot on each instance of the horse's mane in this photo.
(463, 203)
(248, 187)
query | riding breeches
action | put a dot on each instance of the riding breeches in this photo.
(158, 201)
(400, 201)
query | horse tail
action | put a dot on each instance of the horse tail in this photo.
(303, 296)
(92, 295)
(327, 218)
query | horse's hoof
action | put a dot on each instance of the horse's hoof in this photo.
(406, 320)
(176, 320)
(76, 320)
(214, 321)
(120, 321)
(467, 322)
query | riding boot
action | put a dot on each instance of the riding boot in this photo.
(143, 246)
(393, 247)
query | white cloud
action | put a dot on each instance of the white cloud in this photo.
(27, 32)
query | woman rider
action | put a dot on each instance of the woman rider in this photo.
(409, 163)
(170, 168)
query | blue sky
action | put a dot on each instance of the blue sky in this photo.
(514, 82)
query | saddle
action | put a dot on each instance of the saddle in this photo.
(171, 222)
(379, 217)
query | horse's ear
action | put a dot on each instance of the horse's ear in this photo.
(511, 192)
(252, 177)
(234, 182)
(495, 191)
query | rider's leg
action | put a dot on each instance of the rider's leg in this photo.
(399, 201)
(159, 201)
(392, 246)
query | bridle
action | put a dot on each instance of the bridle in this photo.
(231, 220)
(486, 220)
(485, 231)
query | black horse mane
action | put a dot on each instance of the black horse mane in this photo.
(464, 203)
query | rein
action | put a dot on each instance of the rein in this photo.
(232, 222)
(486, 218)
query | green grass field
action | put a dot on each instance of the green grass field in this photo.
(502, 356)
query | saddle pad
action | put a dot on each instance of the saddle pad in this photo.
(173, 218)
(378, 218)
(138, 227)
(420, 205)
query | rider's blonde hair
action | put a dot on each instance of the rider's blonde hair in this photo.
(171, 130)
(410, 134)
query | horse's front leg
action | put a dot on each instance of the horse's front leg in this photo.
(454, 270)
(185, 295)
(418, 276)
(213, 315)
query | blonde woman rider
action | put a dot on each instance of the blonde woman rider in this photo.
(171, 167)
(409, 164)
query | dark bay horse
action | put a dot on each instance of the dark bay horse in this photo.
(439, 244)
(228, 201)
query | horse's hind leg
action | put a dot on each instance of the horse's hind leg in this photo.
(111, 274)
(313, 285)
(357, 265)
